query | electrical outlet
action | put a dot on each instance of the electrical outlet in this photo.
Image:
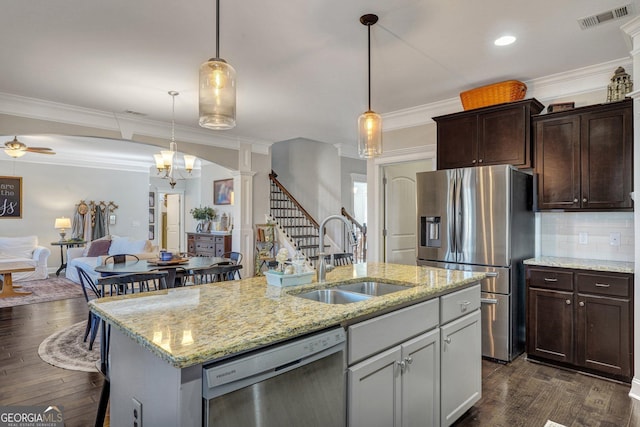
(137, 412)
(614, 239)
(583, 238)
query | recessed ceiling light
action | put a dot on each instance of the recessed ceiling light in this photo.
(504, 40)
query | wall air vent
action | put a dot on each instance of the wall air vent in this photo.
(609, 15)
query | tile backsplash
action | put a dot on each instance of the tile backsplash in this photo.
(585, 235)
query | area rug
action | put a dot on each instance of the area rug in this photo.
(52, 289)
(65, 349)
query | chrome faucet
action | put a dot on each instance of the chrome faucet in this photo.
(323, 267)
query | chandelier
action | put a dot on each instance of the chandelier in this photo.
(166, 160)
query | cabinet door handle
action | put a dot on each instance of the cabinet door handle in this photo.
(402, 364)
(480, 161)
(603, 285)
(488, 301)
(550, 279)
(409, 360)
(575, 200)
(447, 340)
(581, 303)
(464, 305)
(568, 302)
(584, 200)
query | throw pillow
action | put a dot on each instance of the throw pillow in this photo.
(86, 248)
(99, 247)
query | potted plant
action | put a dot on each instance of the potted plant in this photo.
(204, 215)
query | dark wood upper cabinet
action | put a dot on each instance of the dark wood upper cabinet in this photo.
(584, 158)
(495, 135)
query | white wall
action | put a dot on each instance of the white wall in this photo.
(50, 191)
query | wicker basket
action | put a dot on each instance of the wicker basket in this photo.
(496, 93)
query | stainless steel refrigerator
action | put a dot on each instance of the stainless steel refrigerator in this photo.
(481, 219)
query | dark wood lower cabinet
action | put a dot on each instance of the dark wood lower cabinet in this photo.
(582, 320)
(550, 329)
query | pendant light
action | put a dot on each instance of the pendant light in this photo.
(369, 123)
(217, 89)
(166, 160)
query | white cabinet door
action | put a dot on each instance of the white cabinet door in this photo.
(421, 381)
(461, 366)
(374, 391)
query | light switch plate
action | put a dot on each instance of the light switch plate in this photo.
(614, 239)
(583, 238)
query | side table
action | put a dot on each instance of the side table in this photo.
(66, 244)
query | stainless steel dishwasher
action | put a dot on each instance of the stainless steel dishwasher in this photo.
(298, 383)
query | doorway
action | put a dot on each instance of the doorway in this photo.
(399, 210)
(171, 221)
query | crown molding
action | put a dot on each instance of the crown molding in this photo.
(126, 125)
(574, 82)
(401, 155)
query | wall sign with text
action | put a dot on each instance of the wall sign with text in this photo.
(10, 197)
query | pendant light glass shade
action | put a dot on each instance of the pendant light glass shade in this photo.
(217, 95)
(369, 122)
(369, 135)
(217, 89)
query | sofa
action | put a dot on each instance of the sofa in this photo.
(25, 249)
(95, 253)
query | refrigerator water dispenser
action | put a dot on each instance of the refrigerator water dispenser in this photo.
(430, 231)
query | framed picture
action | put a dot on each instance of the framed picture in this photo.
(152, 199)
(112, 219)
(223, 192)
(152, 216)
(10, 197)
(152, 232)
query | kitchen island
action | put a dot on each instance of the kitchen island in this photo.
(161, 340)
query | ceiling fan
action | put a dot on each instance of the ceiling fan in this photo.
(17, 149)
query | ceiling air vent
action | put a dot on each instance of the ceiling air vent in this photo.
(609, 15)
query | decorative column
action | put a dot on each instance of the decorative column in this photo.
(632, 29)
(243, 209)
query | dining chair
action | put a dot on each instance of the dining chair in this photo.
(236, 259)
(120, 258)
(122, 284)
(91, 292)
(118, 285)
(211, 274)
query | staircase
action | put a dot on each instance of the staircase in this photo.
(296, 223)
(302, 229)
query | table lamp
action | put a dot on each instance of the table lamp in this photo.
(62, 224)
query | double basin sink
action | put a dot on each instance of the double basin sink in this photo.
(352, 292)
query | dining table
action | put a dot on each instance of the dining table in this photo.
(172, 266)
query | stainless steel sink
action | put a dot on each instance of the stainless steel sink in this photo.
(334, 296)
(372, 288)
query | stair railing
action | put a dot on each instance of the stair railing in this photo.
(360, 248)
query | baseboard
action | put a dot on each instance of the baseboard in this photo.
(635, 388)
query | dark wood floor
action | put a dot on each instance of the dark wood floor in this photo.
(26, 380)
(528, 394)
(521, 393)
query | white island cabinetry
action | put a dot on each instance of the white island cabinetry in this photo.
(461, 366)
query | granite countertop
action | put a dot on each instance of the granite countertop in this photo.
(196, 324)
(582, 264)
